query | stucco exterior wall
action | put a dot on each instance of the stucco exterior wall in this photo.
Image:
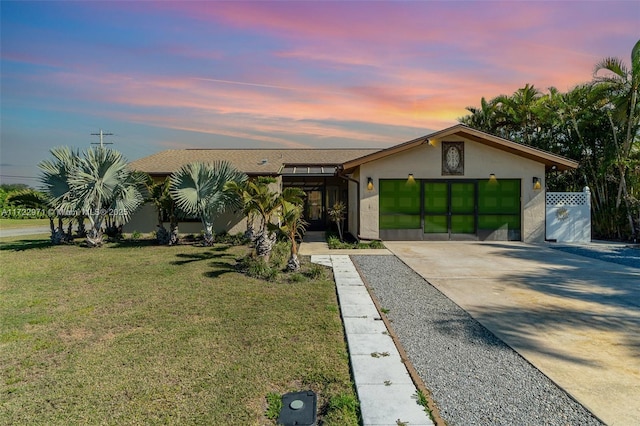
(425, 162)
(144, 219)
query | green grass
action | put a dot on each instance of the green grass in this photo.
(22, 223)
(133, 333)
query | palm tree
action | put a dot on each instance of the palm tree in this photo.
(55, 178)
(620, 87)
(32, 199)
(97, 184)
(201, 189)
(244, 192)
(158, 194)
(262, 202)
(337, 215)
(292, 225)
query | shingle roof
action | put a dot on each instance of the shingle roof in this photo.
(250, 161)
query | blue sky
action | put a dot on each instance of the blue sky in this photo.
(162, 75)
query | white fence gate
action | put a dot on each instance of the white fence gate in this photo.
(569, 216)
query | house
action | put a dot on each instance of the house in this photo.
(455, 184)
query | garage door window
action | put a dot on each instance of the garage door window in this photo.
(399, 204)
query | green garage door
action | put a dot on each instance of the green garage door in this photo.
(499, 210)
(437, 209)
(399, 204)
(449, 209)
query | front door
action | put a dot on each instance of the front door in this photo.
(449, 210)
(314, 210)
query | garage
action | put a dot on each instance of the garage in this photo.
(457, 210)
(458, 184)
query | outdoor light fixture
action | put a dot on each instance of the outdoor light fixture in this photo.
(431, 142)
(410, 178)
(536, 183)
(492, 178)
(370, 184)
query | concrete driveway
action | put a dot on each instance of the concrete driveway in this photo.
(576, 319)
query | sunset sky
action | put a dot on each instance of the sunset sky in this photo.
(209, 74)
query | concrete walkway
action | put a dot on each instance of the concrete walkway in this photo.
(576, 319)
(386, 392)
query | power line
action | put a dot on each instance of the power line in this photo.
(101, 134)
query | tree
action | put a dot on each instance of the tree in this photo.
(291, 222)
(337, 215)
(55, 178)
(597, 124)
(32, 199)
(96, 184)
(243, 190)
(620, 86)
(263, 203)
(158, 194)
(201, 189)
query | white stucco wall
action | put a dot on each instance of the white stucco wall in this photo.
(425, 162)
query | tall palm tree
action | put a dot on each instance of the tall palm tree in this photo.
(96, 184)
(201, 189)
(620, 86)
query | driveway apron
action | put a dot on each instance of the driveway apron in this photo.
(574, 318)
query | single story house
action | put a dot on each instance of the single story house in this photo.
(455, 184)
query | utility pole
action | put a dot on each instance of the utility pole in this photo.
(102, 134)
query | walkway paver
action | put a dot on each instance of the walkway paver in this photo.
(386, 392)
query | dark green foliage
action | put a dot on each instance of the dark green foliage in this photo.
(596, 124)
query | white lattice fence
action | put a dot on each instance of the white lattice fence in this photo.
(569, 216)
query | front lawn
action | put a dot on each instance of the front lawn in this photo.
(134, 333)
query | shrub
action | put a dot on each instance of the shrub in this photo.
(315, 271)
(256, 267)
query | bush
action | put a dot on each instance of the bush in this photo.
(315, 271)
(334, 243)
(280, 254)
(256, 267)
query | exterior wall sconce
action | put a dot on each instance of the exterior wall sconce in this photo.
(369, 184)
(410, 178)
(431, 142)
(536, 184)
(492, 178)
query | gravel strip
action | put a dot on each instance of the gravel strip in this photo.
(474, 377)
